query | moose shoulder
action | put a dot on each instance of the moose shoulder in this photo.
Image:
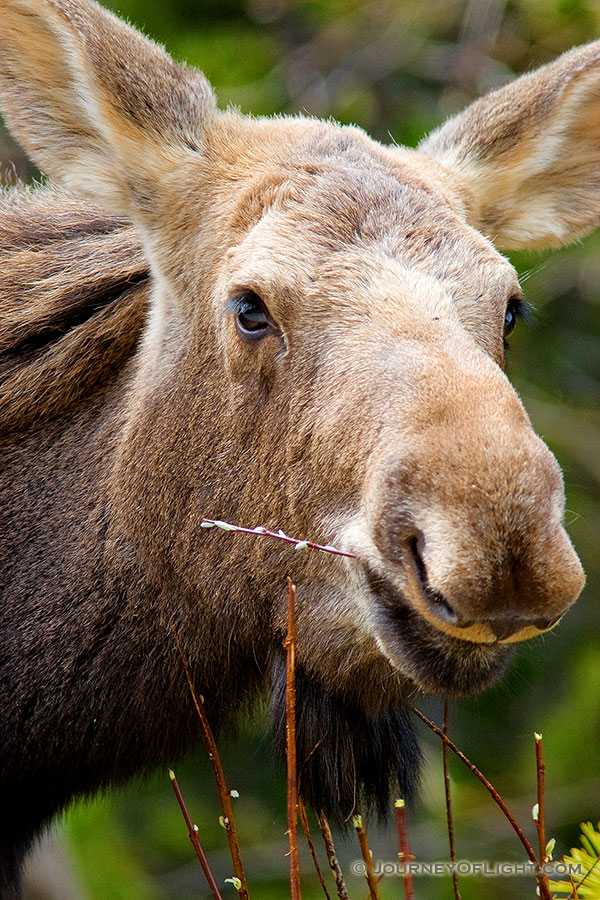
(302, 328)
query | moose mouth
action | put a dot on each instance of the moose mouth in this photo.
(435, 661)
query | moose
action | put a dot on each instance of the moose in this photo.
(272, 321)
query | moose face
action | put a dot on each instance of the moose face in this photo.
(361, 324)
(322, 351)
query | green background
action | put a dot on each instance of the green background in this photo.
(396, 68)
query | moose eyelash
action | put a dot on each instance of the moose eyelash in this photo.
(524, 312)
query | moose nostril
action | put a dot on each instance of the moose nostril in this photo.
(546, 624)
(436, 600)
(440, 606)
(505, 626)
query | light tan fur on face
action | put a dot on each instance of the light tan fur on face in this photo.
(381, 411)
(373, 412)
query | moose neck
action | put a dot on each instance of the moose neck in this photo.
(101, 571)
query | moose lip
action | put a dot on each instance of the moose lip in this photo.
(433, 660)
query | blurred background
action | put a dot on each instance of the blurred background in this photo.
(397, 68)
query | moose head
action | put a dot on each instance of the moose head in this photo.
(312, 338)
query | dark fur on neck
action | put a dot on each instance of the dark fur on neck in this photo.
(344, 754)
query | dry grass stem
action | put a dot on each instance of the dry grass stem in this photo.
(334, 865)
(195, 838)
(290, 729)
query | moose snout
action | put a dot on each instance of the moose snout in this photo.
(473, 540)
(509, 619)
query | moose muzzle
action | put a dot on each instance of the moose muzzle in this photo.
(465, 512)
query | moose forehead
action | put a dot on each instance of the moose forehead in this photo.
(339, 220)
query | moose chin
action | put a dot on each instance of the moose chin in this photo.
(266, 321)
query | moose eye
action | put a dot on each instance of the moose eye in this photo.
(513, 311)
(252, 318)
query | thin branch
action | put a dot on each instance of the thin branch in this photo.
(379, 878)
(290, 728)
(195, 838)
(544, 890)
(573, 893)
(585, 877)
(404, 854)
(367, 856)
(311, 846)
(224, 795)
(299, 544)
(540, 819)
(334, 865)
(449, 819)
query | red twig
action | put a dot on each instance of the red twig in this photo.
(367, 857)
(195, 838)
(224, 795)
(540, 821)
(585, 877)
(544, 890)
(334, 865)
(290, 728)
(299, 544)
(404, 854)
(573, 893)
(311, 846)
(449, 819)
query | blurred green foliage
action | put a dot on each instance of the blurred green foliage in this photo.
(399, 68)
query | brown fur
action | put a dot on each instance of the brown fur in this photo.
(73, 296)
(374, 415)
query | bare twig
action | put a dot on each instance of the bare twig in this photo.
(544, 890)
(334, 865)
(573, 893)
(540, 819)
(290, 728)
(299, 544)
(585, 877)
(195, 838)
(311, 846)
(404, 854)
(224, 795)
(449, 819)
(367, 856)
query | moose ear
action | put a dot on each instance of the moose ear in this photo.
(98, 106)
(526, 158)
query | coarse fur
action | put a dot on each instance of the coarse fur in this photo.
(370, 411)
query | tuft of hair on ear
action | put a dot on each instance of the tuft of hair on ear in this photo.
(343, 754)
